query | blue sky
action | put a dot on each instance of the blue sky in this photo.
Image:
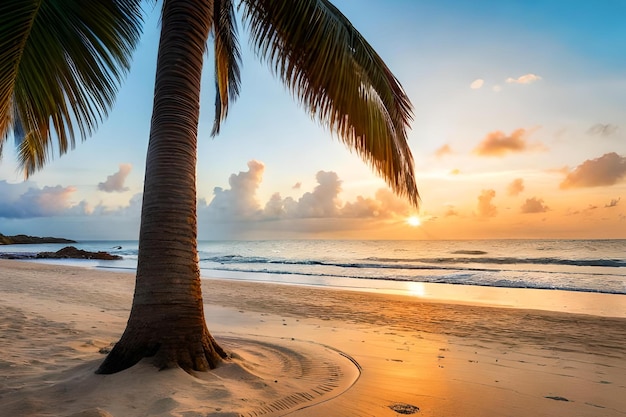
(519, 132)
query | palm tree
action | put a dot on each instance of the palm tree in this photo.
(61, 62)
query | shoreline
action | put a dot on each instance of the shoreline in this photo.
(447, 359)
(577, 266)
(562, 301)
(555, 300)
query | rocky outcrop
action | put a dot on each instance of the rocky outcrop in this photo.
(24, 239)
(70, 252)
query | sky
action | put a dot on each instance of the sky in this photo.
(519, 131)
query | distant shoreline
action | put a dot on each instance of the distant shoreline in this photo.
(68, 252)
(29, 240)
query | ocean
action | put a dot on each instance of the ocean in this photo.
(597, 266)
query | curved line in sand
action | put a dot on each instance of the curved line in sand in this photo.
(311, 373)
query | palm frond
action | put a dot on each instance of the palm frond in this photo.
(340, 79)
(61, 63)
(227, 59)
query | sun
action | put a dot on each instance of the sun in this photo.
(413, 221)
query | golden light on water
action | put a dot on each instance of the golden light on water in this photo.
(417, 289)
(413, 221)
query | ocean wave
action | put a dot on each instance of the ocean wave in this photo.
(421, 263)
(469, 252)
(613, 263)
(460, 278)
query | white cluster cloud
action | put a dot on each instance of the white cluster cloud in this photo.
(235, 204)
(240, 202)
(523, 79)
(323, 201)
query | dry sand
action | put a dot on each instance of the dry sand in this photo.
(303, 351)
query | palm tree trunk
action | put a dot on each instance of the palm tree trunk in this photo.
(167, 320)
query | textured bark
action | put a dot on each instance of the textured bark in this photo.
(167, 320)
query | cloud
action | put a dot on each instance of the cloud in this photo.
(235, 212)
(444, 150)
(496, 88)
(613, 203)
(515, 187)
(275, 207)
(485, 208)
(600, 129)
(132, 210)
(476, 84)
(363, 207)
(524, 79)
(497, 143)
(12, 192)
(322, 202)
(297, 186)
(115, 182)
(240, 201)
(606, 170)
(385, 204)
(26, 200)
(534, 205)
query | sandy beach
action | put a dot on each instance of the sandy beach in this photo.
(303, 351)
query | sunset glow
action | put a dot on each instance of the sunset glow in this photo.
(414, 221)
(520, 136)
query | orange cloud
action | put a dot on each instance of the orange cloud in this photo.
(26, 200)
(444, 150)
(497, 143)
(476, 84)
(485, 208)
(384, 204)
(115, 182)
(524, 79)
(534, 205)
(516, 187)
(609, 169)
